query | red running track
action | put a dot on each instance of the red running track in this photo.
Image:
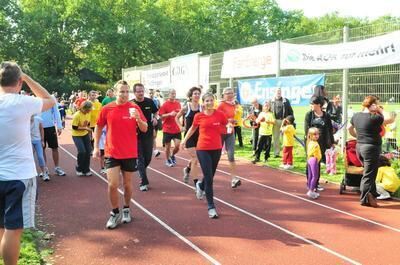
(267, 220)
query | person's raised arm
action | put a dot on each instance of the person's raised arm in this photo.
(39, 91)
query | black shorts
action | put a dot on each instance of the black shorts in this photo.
(158, 126)
(50, 137)
(192, 141)
(167, 137)
(129, 165)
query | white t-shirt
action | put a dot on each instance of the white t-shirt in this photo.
(102, 140)
(35, 128)
(16, 155)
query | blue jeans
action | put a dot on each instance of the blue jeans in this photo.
(84, 148)
(37, 146)
(208, 162)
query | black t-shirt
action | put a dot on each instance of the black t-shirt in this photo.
(148, 108)
(368, 127)
(278, 109)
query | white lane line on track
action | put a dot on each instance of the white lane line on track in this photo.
(170, 229)
(310, 201)
(268, 222)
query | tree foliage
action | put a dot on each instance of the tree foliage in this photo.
(52, 40)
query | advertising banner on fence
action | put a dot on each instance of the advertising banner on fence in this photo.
(156, 78)
(204, 72)
(297, 89)
(131, 76)
(382, 50)
(184, 73)
(252, 61)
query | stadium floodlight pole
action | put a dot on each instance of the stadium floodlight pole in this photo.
(345, 89)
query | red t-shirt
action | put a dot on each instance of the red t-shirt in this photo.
(121, 137)
(79, 102)
(210, 130)
(229, 111)
(168, 124)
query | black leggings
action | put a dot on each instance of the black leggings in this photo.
(208, 162)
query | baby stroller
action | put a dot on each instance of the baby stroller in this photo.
(353, 169)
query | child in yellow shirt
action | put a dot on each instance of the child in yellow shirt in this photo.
(313, 157)
(266, 120)
(288, 132)
(386, 179)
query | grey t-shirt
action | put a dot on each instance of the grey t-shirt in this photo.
(35, 129)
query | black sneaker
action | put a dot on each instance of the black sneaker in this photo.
(255, 161)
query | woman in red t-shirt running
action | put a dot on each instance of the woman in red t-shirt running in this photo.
(210, 123)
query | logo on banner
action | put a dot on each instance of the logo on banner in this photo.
(293, 56)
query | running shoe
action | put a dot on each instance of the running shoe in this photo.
(212, 213)
(126, 215)
(169, 163)
(103, 171)
(88, 174)
(45, 176)
(186, 171)
(143, 188)
(173, 160)
(235, 182)
(255, 161)
(199, 192)
(59, 171)
(320, 188)
(157, 153)
(114, 220)
(80, 174)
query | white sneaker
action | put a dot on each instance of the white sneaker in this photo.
(156, 153)
(59, 171)
(320, 188)
(313, 195)
(286, 167)
(126, 215)
(282, 165)
(235, 182)
(144, 188)
(290, 166)
(88, 174)
(114, 220)
(383, 197)
(45, 176)
(80, 174)
(103, 171)
(199, 192)
(212, 213)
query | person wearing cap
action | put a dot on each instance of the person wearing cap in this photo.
(281, 108)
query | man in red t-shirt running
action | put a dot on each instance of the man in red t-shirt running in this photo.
(122, 119)
(227, 106)
(171, 130)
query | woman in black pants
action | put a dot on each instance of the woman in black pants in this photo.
(209, 122)
(367, 126)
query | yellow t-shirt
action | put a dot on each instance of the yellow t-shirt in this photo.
(313, 150)
(80, 120)
(390, 131)
(94, 113)
(288, 135)
(267, 124)
(238, 115)
(388, 178)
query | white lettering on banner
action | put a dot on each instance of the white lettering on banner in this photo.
(250, 61)
(382, 50)
(156, 78)
(184, 73)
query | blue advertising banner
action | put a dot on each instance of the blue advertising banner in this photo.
(297, 89)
